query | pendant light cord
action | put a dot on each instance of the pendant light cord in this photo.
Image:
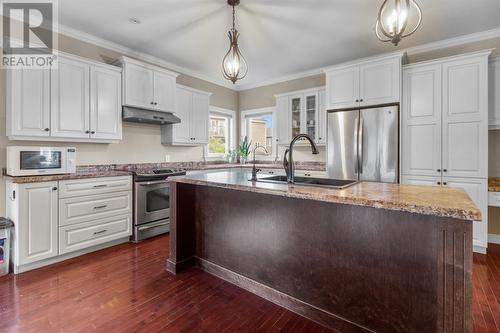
(233, 19)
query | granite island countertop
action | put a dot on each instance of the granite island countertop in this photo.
(427, 200)
(494, 184)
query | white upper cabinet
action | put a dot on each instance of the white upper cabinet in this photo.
(70, 98)
(465, 117)
(342, 87)
(380, 82)
(138, 86)
(201, 105)
(421, 121)
(78, 101)
(283, 120)
(148, 86)
(494, 93)
(193, 110)
(28, 102)
(369, 82)
(164, 91)
(301, 112)
(105, 103)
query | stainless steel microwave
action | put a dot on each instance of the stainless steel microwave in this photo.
(32, 161)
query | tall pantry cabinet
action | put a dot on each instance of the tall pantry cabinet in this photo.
(445, 129)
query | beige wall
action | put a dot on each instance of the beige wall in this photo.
(141, 142)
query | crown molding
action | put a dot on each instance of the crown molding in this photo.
(429, 47)
(85, 37)
(481, 53)
(126, 51)
(455, 41)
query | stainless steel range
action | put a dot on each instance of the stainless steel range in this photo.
(152, 202)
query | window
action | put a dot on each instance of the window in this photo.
(258, 125)
(220, 132)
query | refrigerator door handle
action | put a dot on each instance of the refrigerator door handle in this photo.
(360, 145)
(356, 146)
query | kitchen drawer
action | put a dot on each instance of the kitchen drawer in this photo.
(93, 207)
(79, 187)
(315, 174)
(494, 199)
(277, 172)
(81, 236)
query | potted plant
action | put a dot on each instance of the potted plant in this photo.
(244, 150)
(231, 156)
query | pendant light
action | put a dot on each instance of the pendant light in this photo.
(234, 66)
(392, 21)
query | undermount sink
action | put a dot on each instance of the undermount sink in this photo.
(326, 182)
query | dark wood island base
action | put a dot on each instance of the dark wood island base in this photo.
(351, 268)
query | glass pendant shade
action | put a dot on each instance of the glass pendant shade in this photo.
(234, 66)
(393, 21)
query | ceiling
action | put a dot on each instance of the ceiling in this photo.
(278, 37)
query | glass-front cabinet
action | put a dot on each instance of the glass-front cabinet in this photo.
(301, 112)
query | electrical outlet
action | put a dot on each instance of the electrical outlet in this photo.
(167, 158)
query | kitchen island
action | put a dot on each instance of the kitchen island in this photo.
(372, 257)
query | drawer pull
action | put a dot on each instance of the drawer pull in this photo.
(101, 207)
(99, 186)
(100, 232)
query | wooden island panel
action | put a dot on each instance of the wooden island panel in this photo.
(350, 268)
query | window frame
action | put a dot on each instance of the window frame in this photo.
(244, 129)
(231, 116)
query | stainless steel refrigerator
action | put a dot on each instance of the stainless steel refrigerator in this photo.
(363, 144)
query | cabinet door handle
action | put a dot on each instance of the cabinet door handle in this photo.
(54, 188)
(156, 103)
(46, 129)
(99, 186)
(101, 207)
(152, 103)
(439, 183)
(438, 170)
(361, 100)
(87, 132)
(357, 101)
(100, 232)
(93, 132)
(445, 183)
(444, 170)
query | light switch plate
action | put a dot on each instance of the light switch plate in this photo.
(167, 158)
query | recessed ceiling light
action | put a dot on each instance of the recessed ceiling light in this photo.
(134, 20)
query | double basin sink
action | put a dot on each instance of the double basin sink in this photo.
(310, 181)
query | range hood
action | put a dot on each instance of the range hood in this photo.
(136, 115)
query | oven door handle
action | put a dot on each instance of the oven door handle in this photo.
(153, 183)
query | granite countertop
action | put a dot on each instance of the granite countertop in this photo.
(428, 200)
(494, 184)
(113, 170)
(78, 175)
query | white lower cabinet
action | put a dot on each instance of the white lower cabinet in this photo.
(55, 218)
(34, 212)
(84, 235)
(477, 189)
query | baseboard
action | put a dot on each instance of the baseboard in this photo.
(494, 238)
(46, 262)
(322, 317)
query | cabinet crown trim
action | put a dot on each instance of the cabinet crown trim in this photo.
(180, 86)
(88, 61)
(367, 60)
(303, 91)
(121, 61)
(482, 53)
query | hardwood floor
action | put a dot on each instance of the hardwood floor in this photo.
(126, 289)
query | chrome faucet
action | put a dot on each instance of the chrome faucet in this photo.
(288, 163)
(254, 169)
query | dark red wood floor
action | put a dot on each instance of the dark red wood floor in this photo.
(126, 289)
